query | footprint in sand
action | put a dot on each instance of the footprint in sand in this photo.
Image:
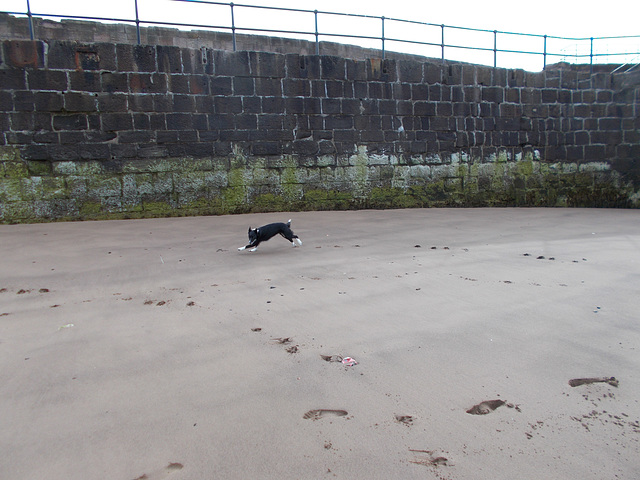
(162, 473)
(331, 358)
(283, 341)
(575, 382)
(485, 407)
(318, 414)
(432, 458)
(406, 419)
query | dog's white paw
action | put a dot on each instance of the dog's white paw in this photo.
(241, 248)
(253, 249)
(299, 241)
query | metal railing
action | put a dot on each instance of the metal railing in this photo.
(586, 47)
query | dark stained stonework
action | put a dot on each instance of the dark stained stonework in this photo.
(101, 130)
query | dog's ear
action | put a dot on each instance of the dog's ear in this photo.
(249, 228)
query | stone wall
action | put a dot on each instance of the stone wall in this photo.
(104, 130)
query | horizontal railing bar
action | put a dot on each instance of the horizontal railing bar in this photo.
(415, 22)
(234, 28)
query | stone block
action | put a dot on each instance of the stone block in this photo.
(331, 106)
(157, 122)
(198, 61)
(270, 122)
(94, 152)
(179, 121)
(334, 88)
(303, 66)
(440, 124)
(409, 71)
(48, 102)
(24, 53)
(169, 59)
(381, 70)
(296, 87)
(114, 82)
(144, 58)
(266, 148)
(84, 81)
(183, 103)
(61, 55)
(332, 67)
(63, 152)
(231, 63)
(350, 106)
(305, 147)
(117, 121)
(340, 122)
(273, 105)
(22, 101)
(452, 75)
(221, 86)
(404, 108)
(47, 80)
(361, 90)
(356, 70)
(136, 103)
(266, 64)
(243, 86)
(609, 123)
(80, 102)
(493, 94)
(70, 122)
(228, 104)
(484, 76)
(151, 83)
(221, 121)
(294, 105)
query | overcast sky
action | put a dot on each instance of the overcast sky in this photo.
(542, 17)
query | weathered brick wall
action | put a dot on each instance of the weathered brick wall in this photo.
(117, 131)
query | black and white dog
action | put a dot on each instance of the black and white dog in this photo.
(262, 234)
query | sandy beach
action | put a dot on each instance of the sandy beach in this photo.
(155, 349)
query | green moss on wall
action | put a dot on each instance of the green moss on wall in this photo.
(268, 202)
(42, 191)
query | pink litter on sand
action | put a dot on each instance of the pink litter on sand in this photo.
(349, 362)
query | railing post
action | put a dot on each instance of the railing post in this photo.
(591, 56)
(233, 27)
(495, 48)
(544, 54)
(382, 37)
(30, 20)
(442, 42)
(315, 13)
(137, 23)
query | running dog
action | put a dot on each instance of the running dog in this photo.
(262, 234)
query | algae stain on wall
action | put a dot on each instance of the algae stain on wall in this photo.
(290, 183)
(45, 191)
(361, 173)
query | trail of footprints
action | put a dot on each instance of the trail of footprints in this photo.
(425, 457)
(429, 457)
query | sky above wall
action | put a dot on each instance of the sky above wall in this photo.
(542, 17)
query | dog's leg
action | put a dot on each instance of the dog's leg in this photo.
(253, 249)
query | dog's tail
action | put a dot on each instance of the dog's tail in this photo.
(289, 223)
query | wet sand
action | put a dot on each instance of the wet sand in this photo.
(154, 349)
